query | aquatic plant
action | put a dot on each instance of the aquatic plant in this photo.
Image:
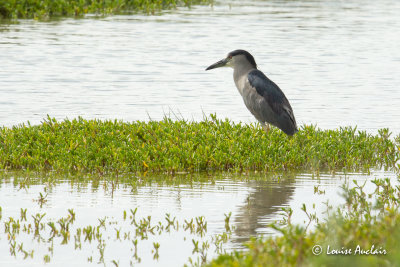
(363, 232)
(99, 235)
(368, 222)
(46, 9)
(95, 146)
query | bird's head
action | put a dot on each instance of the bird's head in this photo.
(235, 58)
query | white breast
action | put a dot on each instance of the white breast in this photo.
(241, 83)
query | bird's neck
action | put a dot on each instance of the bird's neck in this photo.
(242, 69)
(240, 75)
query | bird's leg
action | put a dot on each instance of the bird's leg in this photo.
(266, 127)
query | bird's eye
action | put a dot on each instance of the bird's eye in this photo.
(230, 57)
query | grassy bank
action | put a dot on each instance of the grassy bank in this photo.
(46, 9)
(94, 146)
(363, 232)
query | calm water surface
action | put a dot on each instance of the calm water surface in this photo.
(254, 201)
(337, 61)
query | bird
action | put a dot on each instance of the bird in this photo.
(262, 97)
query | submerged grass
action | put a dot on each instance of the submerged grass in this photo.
(95, 146)
(132, 230)
(363, 232)
(30, 228)
(46, 9)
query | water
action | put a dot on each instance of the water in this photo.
(254, 201)
(337, 62)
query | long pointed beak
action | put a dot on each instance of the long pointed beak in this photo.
(218, 64)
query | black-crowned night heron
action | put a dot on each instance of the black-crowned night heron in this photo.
(262, 97)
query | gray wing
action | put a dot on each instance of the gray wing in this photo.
(273, 96)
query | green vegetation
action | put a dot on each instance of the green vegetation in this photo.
(130, 229)
(87, 149)
(29, 229)
(45, 9)
(94, 146)
(367, 223)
